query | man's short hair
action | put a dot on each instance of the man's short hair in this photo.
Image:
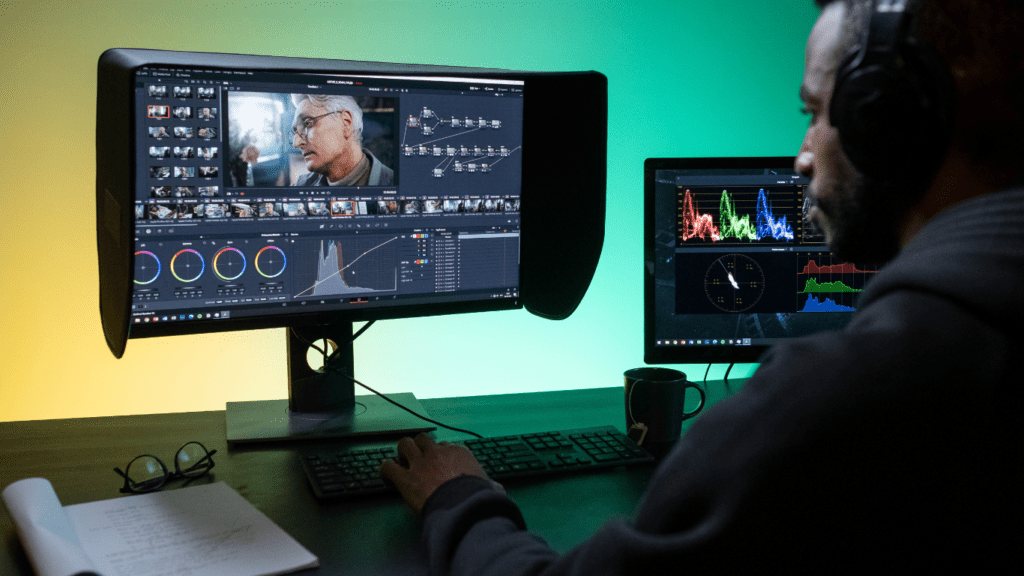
(980, 42)
(336, 103)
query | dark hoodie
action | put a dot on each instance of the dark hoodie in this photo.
(894, 444)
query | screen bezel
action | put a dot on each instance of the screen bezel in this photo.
(689, 354)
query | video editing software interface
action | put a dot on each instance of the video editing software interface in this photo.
(738, 265)
(247, 203)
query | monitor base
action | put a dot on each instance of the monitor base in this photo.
(272, 421)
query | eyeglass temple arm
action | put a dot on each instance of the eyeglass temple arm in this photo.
(203, 459)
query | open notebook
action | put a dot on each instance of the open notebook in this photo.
(207, 530)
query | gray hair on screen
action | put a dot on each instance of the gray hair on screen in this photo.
(336, 103)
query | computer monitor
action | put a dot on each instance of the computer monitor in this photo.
(732, 265)
(242, 192)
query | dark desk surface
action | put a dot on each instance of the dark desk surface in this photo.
(377, 535)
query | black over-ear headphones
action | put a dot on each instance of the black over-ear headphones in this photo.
(894, 101)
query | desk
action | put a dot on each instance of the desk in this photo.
(375, 536)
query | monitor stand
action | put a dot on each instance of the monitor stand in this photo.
(322, 404)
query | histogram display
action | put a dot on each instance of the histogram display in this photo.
(828, 285)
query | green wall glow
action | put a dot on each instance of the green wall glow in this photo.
(686, 78)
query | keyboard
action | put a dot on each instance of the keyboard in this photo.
(352, 472)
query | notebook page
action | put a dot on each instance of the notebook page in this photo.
(50, 541)
(207, 530)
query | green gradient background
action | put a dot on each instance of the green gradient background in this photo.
(686, 78)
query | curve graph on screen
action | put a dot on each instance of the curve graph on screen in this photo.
(352, 266)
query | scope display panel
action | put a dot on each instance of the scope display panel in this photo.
(732, 264)
(269, 193)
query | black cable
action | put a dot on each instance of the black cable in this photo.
(330, 360)
(420, 416)
(706, 375)
(726, 377)
(361, 330)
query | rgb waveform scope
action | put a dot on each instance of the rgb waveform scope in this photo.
(731, 224)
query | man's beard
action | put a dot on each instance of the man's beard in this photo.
(865, 218)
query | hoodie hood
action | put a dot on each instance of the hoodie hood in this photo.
(971, 254)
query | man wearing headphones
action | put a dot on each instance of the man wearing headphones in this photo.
(892, 444)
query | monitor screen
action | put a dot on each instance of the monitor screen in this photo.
(732, 266)
(264, 194)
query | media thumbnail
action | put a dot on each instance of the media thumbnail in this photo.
(319, 209)
(243, 210)
(182, 91)
(411, 206)
(269, 209)
(163, 211)
(217, 210)
(294, 209)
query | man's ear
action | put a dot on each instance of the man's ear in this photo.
(347, 124)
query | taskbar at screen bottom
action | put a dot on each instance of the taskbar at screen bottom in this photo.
(710, 350)
(208, 317)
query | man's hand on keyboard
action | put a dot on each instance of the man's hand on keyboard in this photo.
(423, 465)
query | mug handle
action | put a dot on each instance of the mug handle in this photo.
(700, 405)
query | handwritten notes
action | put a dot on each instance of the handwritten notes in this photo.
(205, 530)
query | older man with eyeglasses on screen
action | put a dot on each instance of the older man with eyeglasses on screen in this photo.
(328, 130)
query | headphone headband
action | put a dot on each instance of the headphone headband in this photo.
(893, 98)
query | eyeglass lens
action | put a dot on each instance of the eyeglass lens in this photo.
(192, 460)
(146, 473)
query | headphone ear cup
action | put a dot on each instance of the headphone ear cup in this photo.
(892, 118)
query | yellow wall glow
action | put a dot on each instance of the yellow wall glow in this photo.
(686, 78)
